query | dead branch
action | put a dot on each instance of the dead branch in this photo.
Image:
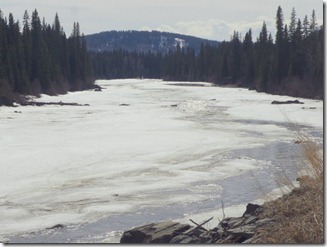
(199, 225)
(223, 208)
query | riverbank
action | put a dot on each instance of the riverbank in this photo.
(296, 217)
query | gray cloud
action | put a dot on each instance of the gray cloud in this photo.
(213, 19)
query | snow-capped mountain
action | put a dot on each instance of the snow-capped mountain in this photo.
(143, 41)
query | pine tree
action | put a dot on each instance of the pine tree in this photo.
(305, 27)
(262, 59)
(292, 27)
(281, 52)
(235, 60)
(27, 46)
(247, 59)
(313, 22)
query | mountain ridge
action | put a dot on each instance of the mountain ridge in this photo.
(144, 41)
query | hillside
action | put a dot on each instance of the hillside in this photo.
(143, 41)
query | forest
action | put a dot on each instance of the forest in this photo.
(291, 64)
(37, 57)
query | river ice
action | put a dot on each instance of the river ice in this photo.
(139, 144)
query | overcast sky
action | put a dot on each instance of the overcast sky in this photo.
(211, 19)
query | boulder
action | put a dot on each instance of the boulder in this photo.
(252, 209)
(162, 232)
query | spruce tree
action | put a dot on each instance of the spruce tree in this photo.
(292, 27)
(306, 27)
(281, 52)
(313, 22)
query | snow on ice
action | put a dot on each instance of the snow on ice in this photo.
(74, 164)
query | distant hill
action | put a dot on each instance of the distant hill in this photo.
(143, 41)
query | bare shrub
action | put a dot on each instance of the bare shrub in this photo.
(299, 215)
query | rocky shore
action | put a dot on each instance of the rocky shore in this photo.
(229, 230)
(294, 218)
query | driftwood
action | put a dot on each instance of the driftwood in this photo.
(33, 103)
(198, 225)
(275, 102)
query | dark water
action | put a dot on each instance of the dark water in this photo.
(281, 157)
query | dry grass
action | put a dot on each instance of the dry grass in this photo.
(298, 216)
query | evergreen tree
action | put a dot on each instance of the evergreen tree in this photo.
(306, 27)
(292, 27)
(262, 59)
(313, 22)
(247, 60)
(36, 59)
(281, 52)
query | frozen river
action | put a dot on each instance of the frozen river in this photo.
(142, 151)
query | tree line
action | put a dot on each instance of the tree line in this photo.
(292, 63)
(36, 57)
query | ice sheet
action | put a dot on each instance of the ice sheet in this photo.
(139, 143)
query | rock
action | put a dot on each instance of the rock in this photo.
(124, 105)
(275, 102)
(264, 222)
(229, 230)
(251, 209)
(180, 239)
(185, 239)
(250, 220)
(248, 241)
(246, 231)
(162, 232)
(135, 237)
(207, 237)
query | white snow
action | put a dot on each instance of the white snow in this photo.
(180, 42)
(74, 164)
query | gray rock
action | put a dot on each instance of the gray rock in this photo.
(162, 232)
(180, 238)
(185, 239)
(251, 209)
(248, 241)
(230, 222)
(264, 222)
(229, 230)
(194, 240)
(249, 220)
(246, 231)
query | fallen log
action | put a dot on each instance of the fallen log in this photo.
(276, 102)
(33, 103)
